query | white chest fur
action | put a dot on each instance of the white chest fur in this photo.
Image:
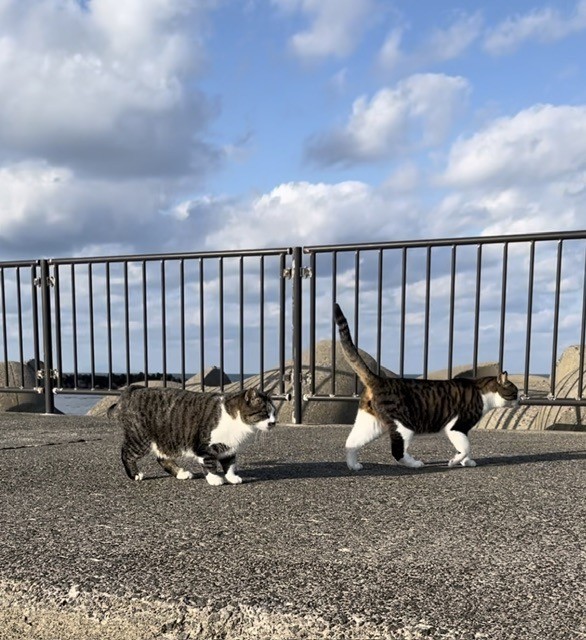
(231, 431)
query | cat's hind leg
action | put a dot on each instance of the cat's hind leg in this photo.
(461, 443)
(366, 429)
(401, 438)
(169, 464)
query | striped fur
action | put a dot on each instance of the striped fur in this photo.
(404, 407)
(206, 426)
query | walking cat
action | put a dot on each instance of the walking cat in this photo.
(209, 427)
(404, 407)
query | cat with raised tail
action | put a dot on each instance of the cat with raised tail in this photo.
(209, 427)
(403, 407)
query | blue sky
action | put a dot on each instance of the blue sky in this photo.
(176, 125)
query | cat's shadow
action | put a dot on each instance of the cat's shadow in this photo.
(272, 470)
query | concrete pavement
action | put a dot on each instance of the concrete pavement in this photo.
(302, 549)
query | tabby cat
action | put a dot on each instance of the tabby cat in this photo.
(404, 407)
(206, 426)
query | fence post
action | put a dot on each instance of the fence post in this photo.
(47, 337)
(296, 274)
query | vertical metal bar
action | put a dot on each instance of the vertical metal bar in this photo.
(127, 322)
(403, 312)
(164, 322)
(334, 296)
(503, 306)
(282, 328)
(356, 308)
(452, 312)
(312, 327)
(145, 324)
(556, 316)
(182, 312)
(297, 337)
(582, 336)
(91, 312)
(58, 345)
(35, 311)
(262, 323)
(477, 311)
(47, 337)
(241, 318)
(20, 335)
(74, 329)
(4, 326)
(427, 311)
(379, 313)
(529, 316)
(221, 278)
(109, 323)
(201, 324)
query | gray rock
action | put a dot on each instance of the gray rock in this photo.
(100, 409)
(566, 386)
(317, 411)
(27, 400)
(212, 377)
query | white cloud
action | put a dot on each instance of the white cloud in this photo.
(301, 213)
(521, 174)
(103, 87)
(335, 29)
(439, 46)
(541, 143)
(542, 25)
(418, 111)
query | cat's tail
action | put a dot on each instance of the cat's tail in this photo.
(367, 377)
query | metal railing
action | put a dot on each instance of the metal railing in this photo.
(91, 325)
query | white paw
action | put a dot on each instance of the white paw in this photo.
(232, 478)
(468, 462)
(453, 462)
(139, 476)
(184, 475)
(412, 463)
(355, 466)
(214, 479)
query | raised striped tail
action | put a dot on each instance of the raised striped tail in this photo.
(350, 351)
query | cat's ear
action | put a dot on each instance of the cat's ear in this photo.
(250, 395)
(503, 378)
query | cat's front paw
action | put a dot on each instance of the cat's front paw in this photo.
(184, 475)
(214, 479)
(355, 466)
(139, 476)
(232, 478)
(468, 462)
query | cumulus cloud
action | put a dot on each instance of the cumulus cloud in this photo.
(439, 46)
(517, 175)
(541, 143)
(102, 86)
(101, 123)
(336, 26)
(301, 213)
(418, 111)
(541, 25)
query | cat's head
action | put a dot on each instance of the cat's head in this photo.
(501, 392)
(257, 409)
